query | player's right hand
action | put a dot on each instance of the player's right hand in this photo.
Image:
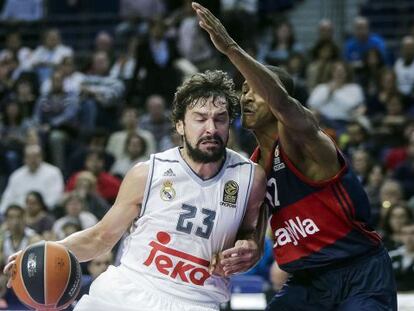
(11, 261)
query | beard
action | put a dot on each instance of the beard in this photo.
(213, 154)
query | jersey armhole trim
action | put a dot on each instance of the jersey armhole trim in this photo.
(148, 185)
(249, 190)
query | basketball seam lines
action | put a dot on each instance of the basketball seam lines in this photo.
(24, 284)
(67, 280)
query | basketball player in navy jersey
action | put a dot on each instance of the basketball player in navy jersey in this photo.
(319, 209)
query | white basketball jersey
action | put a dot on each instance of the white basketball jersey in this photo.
(184, 221)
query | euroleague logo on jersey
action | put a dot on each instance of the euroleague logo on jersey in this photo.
(177, 264)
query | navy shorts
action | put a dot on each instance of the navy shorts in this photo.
(366, 284)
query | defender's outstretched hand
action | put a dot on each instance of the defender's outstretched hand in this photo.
(218, 34)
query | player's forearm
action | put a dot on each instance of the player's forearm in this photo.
(261, 79)
(261, 227)
(257, 233)
(87, 244)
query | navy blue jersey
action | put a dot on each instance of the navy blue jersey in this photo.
(316, 224)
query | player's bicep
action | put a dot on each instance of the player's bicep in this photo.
(313, 153)
(127, 205)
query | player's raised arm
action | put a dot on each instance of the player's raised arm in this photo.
(297, 125)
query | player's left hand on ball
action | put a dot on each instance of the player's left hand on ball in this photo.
(240, 258)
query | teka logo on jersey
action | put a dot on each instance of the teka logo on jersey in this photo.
(190, 270)
(295, 230)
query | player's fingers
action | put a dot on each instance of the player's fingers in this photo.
(207, 17)
(213, 264)
(205, 27)
(235, 269)
(248, 258)
(8, 267)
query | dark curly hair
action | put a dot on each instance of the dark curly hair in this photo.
(215, 83)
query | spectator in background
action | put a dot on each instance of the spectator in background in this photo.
(107, 184)
(339, 101)
(403, 260)
(104, 42)
(74, 207)
(397, 155)
(15, 47)
(391, 193)
(361, 42)
(325, 31)
(156, 58)
(37, 216)
(404, 68)
(49, 55)
(26, 11)
(279, 45)
(56, 115)
(95, 140)
(324, 55)
(404, 173)
(387, 89)
(369, 75)
(296, 67)
(85, 187)
(102, 95)
(361, 164)
(376, 177)
(124, 66)
(389, 126)
(34, 175)
(13, 131)
(130, 124)
(192, 42)
(355, 137)
(396, 217)
(27, 93)
(17, 235)
(156, 119)
(6, 70)
(72, 79)
(173, 140)
(134, 152)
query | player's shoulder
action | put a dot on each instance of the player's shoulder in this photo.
(236, 159)
(169, 155)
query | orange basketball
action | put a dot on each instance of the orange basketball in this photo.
(46, 276)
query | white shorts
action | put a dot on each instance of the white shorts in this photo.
(112, 290)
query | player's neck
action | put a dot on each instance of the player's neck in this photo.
(266, 137)
(203, 170)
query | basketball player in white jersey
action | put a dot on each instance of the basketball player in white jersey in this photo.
(186, 205)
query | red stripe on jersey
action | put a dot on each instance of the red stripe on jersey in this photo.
(360, 226)
(308, 225)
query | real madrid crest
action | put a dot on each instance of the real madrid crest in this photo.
(231, 191)
(167, 192)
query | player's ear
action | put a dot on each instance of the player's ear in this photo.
(179, 126)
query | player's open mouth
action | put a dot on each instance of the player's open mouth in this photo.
(210, 143)
(247, 110)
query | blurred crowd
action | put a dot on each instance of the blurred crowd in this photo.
(70, 127)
